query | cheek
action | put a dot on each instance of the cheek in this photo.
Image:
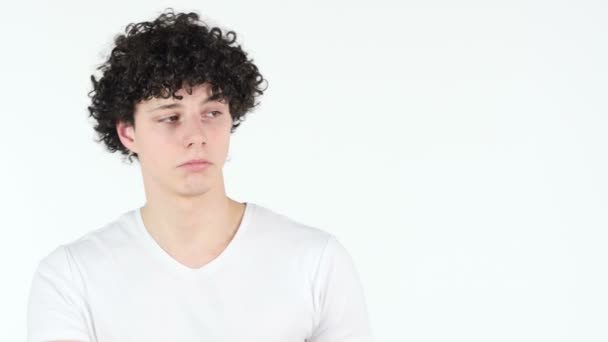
(220, 140)
(156, 145)
(220, 130)
(219, 143)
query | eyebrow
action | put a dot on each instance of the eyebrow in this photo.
(177, 104)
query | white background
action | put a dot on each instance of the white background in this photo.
(456, 148)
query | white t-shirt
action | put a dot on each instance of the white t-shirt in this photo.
(278, 280)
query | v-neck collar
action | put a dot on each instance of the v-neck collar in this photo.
(212, 265)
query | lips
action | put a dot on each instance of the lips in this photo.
(196, 162)
(196, 165)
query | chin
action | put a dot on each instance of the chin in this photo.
(192, 190)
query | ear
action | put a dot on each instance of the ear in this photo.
(126, 134)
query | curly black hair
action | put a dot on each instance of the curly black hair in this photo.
(158, 58)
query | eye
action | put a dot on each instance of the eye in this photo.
(215, 113)
(168, 118)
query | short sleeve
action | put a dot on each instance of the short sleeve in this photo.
(55, 305)
(339, 299)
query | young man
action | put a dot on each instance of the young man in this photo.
(191, 264)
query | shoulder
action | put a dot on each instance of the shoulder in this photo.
(94, 244)
(275, 226)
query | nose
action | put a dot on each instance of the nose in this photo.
(195, 132)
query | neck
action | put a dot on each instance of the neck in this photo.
(181, 222)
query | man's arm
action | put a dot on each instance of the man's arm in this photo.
(55, 304)
(339, 299)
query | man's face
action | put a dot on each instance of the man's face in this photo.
(170, 132)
